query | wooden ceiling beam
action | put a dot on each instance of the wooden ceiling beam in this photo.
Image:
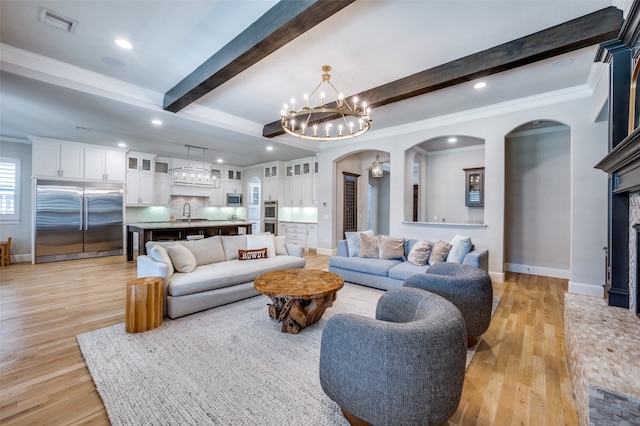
(282, 23)
(588, 30)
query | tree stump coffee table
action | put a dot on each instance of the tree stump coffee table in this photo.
(300, 296)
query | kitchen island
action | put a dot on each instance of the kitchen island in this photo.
(157, 231)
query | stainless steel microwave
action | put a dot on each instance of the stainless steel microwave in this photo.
(234, 199)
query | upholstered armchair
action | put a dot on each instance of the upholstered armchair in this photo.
(405, 367)
(467, 287)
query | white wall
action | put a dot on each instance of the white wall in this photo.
(538, 202)
(588, 185)
(20, 233)
(444, 183)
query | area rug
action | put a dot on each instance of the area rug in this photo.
(230, 365)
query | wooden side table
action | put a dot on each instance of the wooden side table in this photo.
(145, 298)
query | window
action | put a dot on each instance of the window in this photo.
(9, 189)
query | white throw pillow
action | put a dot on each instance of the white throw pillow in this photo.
(208, 250)
(281, 245)
(460, 246)
(159, 253)
(182, 258)
(261, 241)
(233, 243)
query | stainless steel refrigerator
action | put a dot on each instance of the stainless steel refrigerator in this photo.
(76, 221)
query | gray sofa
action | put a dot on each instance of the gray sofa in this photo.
(219, 277)
(388, 274)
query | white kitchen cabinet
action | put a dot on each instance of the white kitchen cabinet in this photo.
(270, 190)
(139, 189)
(161, 189)
(312, 236)
(56, 159)
(216, 197)
(297, 234)
(105, 165)
(141, 162)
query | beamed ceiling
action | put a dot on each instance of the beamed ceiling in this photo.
(217, 72)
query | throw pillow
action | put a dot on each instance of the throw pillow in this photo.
(260, 241)
(159, 253)
(420, 252)
(439, 252)
(391, 248)
(207, 250)
(353, 241)
(182, 258)
(460, 246)
(252, 254)
(231, 245)
(368, 246)
(281, 245)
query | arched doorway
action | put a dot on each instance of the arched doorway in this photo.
(538, 199)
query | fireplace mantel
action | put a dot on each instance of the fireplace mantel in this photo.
(623, 162)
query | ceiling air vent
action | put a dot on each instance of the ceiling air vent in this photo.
(57, 21)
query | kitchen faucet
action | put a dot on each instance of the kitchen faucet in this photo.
(188, 210)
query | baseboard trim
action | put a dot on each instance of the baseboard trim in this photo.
(498, 277)
(327, 252)
(538, 270)
(586, 289)
(20, 258)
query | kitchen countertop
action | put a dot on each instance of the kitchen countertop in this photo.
(193, 224)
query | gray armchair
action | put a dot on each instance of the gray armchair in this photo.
(467, 287)
(405, 367)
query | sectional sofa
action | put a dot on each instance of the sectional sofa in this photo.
(386, 274)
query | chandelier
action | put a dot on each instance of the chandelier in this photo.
(334, 121)
(196, 174)
(376, 168)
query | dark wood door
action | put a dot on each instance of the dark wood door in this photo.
(350, 203)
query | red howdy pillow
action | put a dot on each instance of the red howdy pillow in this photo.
(252, 254)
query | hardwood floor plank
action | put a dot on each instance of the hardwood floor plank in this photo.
(518, 377)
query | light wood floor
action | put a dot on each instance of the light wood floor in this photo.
(518, 377)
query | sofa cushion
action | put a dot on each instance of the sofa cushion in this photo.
(225, 274)
(281, 245)
(231, 245)
(439, 252)
(405, 269)
(391, 248)
(353, 241)
(364, 264)
(260, 241)
(207, 250)
(182, 258)
(420, 252)
(460, 246)
(369, 246)
(159, 253)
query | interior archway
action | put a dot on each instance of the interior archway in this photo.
(435, 180)
(538, 199)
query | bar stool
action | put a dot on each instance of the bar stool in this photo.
(5, 252)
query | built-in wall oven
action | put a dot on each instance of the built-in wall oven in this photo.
(270, 216)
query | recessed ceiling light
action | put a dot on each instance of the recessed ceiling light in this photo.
(122, 144)
(124, 44)
(156, 122)
(113, 62)
(219, 160)
(269, 148)
(561, 63)
(452, 140)
(480, 85)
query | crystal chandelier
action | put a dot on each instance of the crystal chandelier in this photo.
(376, 168)
(340, 119)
